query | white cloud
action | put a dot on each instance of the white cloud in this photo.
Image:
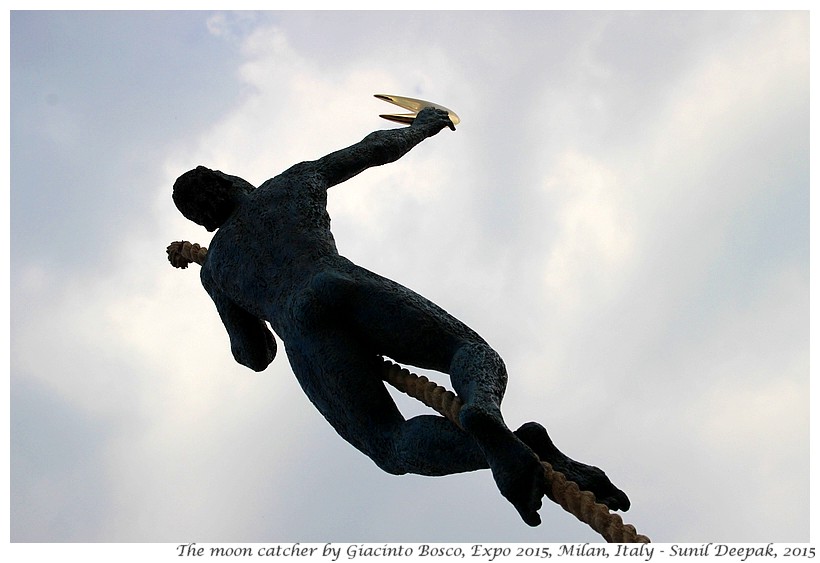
(594, 244)
(627, 234)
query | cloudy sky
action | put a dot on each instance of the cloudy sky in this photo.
(623, 214)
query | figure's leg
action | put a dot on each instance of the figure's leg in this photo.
(480, 413)
(432, 445)
(343, 381)
(479, 378)
(391, 320)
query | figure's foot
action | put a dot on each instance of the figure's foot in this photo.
(517, 471)
(588, 477)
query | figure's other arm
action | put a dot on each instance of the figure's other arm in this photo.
(381, 147)
(252, 344)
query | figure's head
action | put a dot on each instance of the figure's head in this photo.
(208, 197)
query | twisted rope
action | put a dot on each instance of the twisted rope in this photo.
(182, 253)
(444, 402)
(580, 504)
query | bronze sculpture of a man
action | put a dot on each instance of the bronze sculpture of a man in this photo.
(273, 258)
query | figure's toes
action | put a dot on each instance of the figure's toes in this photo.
(608, 494)
(530, 518)
(528, 509)
(590, 478)
(523, 483)
(617, 500)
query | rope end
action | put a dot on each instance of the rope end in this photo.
(181, 253)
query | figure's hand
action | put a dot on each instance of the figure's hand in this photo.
(434, 120)
(254, 349)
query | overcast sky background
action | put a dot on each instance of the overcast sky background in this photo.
(623, 214)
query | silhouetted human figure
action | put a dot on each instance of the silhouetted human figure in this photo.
(274, 259)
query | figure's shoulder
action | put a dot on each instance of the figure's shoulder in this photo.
(296, 178)
(298, 170)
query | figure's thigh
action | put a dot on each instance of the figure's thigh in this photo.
(344, 383)
(399, 323)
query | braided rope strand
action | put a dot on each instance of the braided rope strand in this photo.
(182, 253)
(583, 506)
(580, 504)
(444, 402)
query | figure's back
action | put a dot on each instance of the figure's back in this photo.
(277, 238)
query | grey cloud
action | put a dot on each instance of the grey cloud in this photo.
(623, 214)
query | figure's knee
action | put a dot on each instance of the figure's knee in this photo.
(479, 378)
(390, 464)
(429, 445)
(479, 360)
(386, 455)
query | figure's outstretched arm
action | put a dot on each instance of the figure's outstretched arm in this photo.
(252, 344)
(381, 147)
